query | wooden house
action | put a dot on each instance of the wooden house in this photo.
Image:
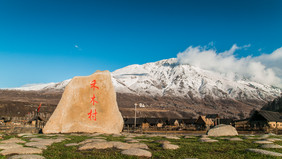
(129, 122)
(152, 122)
(203, 123)
(173, 122)
(262, 119)
(214, 118)
(187, 123)
(242, 124)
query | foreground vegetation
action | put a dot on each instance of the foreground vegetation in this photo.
(189, 148)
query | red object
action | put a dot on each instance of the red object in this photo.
(95, 115)
(92, 115)
(93, 85)
(39, 107)
(93, 99)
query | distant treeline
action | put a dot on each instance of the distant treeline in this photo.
(275, 105)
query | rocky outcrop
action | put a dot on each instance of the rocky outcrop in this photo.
(89, 105)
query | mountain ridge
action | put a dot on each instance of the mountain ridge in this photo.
(169, 78)
(166, 88)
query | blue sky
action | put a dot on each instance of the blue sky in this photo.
(53, 40)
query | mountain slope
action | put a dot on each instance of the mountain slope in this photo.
(167, 87)
(168, 78)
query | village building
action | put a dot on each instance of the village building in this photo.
(227, 121)
(203, 123)
(214, 118)
(130, 122)
(266, 119)
(152, 122)
(187, 123)
(242, 124)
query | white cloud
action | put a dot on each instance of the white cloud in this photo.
(77, 47)
(266, 68)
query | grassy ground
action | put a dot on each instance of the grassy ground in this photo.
(189, 148)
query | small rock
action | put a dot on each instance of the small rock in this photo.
(40, 145)
(143, 140)
(125, 146)
(249, 137)
(9, 146)
(263, 142)
(235, 139)
(99, 137)
(36, 139)
(207, 140)
(13, 140)
(21, 150)
(121, 145)
(132, 141)
(173, 137)
(265, 152)
(26, 157)
(162, 141)
(170, 146)
(50, 135)
(71, 144)
(25, 134)
(96, 145)
(224, 138)
(272, 146)
(139, 145)
(273, 139)
(43, 143)
(137, 152)
(91, 140)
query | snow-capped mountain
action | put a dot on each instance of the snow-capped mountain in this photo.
(45, 86)
(169, 78)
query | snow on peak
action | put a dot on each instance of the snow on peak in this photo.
(170, 78)
(45, 86)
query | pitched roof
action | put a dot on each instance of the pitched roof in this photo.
(271, 116)
(207, 121)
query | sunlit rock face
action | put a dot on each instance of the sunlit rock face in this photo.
(88, 105)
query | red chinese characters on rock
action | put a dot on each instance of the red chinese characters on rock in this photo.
(93, 101)
(93, 85)
(92, 115)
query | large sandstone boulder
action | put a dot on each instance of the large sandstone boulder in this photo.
(78, 112)
(222, 130)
